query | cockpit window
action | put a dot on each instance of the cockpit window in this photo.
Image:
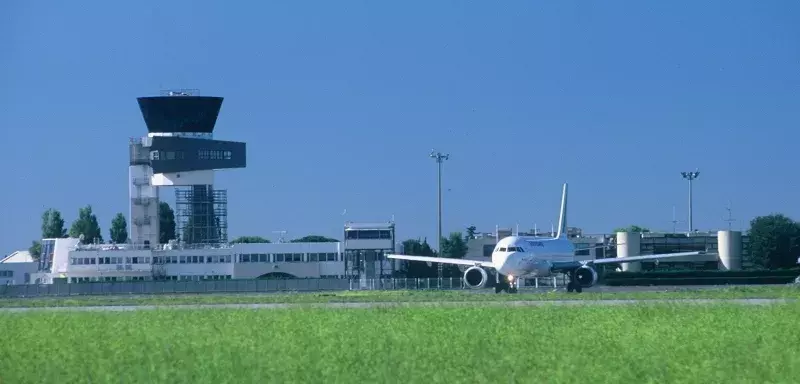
(520, 249)
(501, 250)
(512, 249)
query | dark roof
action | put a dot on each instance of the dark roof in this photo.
(180, 113)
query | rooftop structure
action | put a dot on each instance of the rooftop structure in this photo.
(181, 111)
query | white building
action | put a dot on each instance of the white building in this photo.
(17, 268)
(366, 245)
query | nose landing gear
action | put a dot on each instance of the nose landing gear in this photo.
(506, 283)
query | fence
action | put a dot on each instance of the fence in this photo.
(241, 286)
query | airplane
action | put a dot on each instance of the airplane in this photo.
(516, 257)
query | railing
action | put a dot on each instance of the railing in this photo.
(237, 286)
(139, 247)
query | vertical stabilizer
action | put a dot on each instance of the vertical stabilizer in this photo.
(562, 216)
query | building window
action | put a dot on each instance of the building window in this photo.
(206, 154)
(369, 234)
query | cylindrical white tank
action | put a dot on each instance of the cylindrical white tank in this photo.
(629, 244)
(729, 246)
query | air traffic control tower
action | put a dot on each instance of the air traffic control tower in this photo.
(179, 151)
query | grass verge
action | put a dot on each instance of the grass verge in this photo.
(664, 343)
(766, 292)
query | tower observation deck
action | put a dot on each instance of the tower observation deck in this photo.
(180, 151)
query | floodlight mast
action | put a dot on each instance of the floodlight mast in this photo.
(690, 176)
(439, 157)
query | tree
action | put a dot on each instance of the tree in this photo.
(314, 239)
(166, 223)
(416, 269)
(118, 233)
(633, 229)
(249, 240)
(35, 250)
(52, 228)
(86, 225)
(774, 241)
(471, 230)
(53, 225)
(453, 247)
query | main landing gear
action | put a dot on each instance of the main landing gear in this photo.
(506, 283)
(573, 284)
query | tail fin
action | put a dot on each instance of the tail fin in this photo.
(562, 216)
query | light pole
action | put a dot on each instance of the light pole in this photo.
(439, 157)
(690, 176)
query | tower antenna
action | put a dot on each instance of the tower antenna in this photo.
(674, 220)
(282, 236)
(730, 218)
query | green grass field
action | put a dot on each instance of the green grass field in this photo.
(784, 291)
(655, 343)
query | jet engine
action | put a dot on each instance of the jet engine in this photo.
(586, 276)
(475, 277)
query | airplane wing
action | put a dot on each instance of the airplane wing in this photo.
(613, 260)
(569, 265)
(444, 260)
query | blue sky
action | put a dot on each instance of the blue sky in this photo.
(341, 102)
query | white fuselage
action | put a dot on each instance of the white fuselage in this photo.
(520, 256)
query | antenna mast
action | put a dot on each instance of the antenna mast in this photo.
(282, 236)
(674, 220)
(730, 218)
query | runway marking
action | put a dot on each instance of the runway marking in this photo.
(407, 304)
